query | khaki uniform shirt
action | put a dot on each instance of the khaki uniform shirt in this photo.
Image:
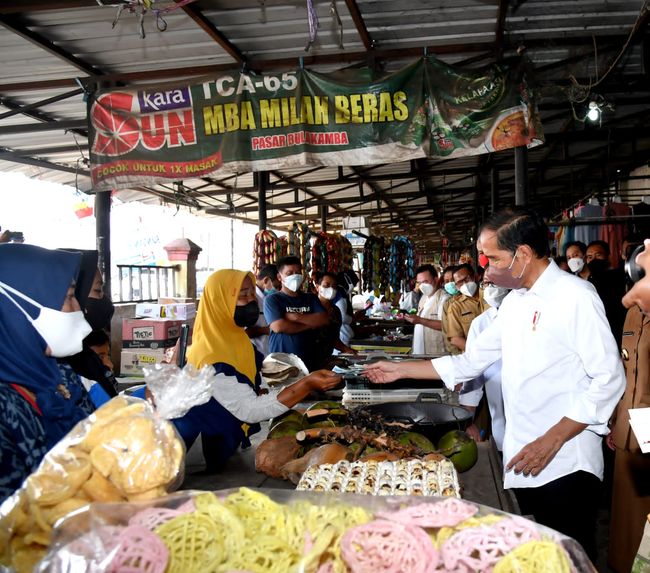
(636, 360)
(458, 318)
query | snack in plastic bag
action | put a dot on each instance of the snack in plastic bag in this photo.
(279, 367)
(122, 452)
(304, 532)
(176, 391)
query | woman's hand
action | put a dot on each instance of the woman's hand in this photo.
(323, 380)
(383, 372)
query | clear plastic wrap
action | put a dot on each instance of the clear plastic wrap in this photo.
(175, 391)
(122, 452)
(278, 531)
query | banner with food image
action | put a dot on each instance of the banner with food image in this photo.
(480, 110)
(244, 121)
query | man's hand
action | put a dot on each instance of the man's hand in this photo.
(5, 236)
(640, 293)
(609, 440)
(383, 372)
(412, 318)
(323, 380)
(474, 432)
(292, 316)
(534, 457)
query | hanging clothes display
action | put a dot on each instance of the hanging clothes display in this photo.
(642, 225)
(614, 233)
(587, 233)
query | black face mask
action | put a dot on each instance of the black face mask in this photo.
(98, 312)
(247, 315)
(598, 266)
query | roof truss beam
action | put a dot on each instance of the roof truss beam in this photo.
(16, 25)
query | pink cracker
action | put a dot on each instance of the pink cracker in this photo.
(384, 547)
(153, 517)
(518, 530)
(447, 513)
(480, 548)
(139, 551)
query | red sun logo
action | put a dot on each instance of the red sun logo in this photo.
(117, 130)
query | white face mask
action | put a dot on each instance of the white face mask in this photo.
(426, 289)
(292, 282)
(63, 332)
(469, 289)
(576, 264)
(494, 295)
(328, 293)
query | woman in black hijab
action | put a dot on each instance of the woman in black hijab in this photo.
(98, 311)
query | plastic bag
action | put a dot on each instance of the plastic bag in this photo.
(176, 391)
(122, 452)
(277, 531)
(279, 367)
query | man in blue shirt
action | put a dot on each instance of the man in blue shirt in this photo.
(293, 316)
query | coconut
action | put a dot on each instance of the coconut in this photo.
(460, 448)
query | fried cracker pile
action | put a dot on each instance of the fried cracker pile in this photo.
(123, 452)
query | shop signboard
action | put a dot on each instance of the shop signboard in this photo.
(244, 121)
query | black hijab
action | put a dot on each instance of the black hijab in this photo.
(88, 363)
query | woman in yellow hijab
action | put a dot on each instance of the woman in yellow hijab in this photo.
(227, 307)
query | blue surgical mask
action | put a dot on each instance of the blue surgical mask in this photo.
(271, 290)
(451, 289)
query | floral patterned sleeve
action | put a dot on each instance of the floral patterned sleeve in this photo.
(22, 441)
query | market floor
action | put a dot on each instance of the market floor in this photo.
(481, 483)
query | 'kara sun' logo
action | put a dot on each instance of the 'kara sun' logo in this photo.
(153, 118)
(117, 130)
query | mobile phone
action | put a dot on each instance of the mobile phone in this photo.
(182, 350)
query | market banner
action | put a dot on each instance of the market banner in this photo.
(245, 121)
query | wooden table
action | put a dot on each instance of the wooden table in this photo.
(370, 345)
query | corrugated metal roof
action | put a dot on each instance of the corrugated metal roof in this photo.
(561, 39)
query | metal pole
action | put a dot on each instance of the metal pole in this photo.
(494, 190)
(262, 184)
(103, 233)
(323, 218)
(521, 175)
(232, 243)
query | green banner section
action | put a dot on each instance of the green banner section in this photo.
(245, 121)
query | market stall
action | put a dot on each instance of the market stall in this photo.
(122, 519)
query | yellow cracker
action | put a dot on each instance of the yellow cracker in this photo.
(98, 488)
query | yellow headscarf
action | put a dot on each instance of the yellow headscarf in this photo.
(216, 337)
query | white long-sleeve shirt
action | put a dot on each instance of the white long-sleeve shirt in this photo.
(472, 391)
(242, 402)
(559, 359)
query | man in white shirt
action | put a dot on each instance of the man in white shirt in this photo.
(427, 334)
(490, 381)
(561, 376)
(266, 283)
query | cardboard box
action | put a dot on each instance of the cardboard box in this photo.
(177, 300)
(173, 311)
(149, 330)
(133, 361)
